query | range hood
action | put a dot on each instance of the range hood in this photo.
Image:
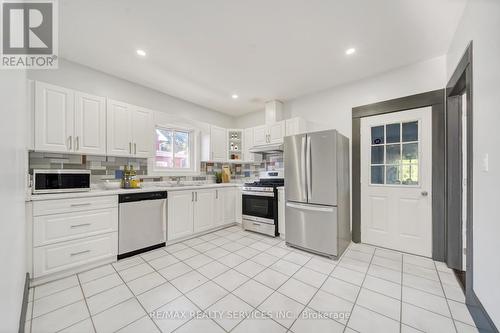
(274, 111)
(267, 149)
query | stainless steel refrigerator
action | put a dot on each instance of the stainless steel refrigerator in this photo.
(317, 210)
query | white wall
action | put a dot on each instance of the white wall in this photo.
(12, 195)
(481, 23)
(76, 76)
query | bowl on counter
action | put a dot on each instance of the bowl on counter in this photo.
(112, 185)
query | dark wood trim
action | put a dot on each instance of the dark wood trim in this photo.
(24, 307)
(435, 99)
(399, 104)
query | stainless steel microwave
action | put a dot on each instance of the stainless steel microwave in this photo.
(59, 181)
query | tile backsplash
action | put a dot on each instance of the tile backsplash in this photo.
(103, 167)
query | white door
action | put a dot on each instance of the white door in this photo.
(260, 135)
(229, 205)
(142, 132)
(119, 131)
(218, 144)
(276, 132)
(204, 210)
(54, 118)
(396, 172)
(219, 207)
(180, 214)
(90, 124)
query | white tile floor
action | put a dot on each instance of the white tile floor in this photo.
(237, 281)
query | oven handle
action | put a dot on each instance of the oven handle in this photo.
(259, 194)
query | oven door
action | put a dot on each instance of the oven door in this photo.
(259, 206)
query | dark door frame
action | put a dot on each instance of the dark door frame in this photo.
(435, 99)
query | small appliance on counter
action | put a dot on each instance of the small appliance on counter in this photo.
(60, 181)
(260, 203)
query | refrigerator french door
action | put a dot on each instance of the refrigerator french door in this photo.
(317, 192)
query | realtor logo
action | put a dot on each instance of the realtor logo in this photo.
(29, 34)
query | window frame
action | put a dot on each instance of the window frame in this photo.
(400, 143)
(193, 153)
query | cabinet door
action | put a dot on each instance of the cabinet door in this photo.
(142, 133)
(218, 144)
(54, 118)
(180, 214)
(119, 130)
(295, 126)
(260, 135)
(204, 210)
(277, 132)
(239, 205)
(219, 207)
(281, 212)
(90, 124)
(229, 205)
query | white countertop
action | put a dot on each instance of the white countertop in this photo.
(148, 188)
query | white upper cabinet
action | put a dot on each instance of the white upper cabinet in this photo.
(295, 126)
(119, 129)
(69, 121)
(54, 118)
(276, 132)
(218, 145)
(247, 144)
(269, 134)
(260, 135)
(142, 132)
(129, 130)
(90, 124)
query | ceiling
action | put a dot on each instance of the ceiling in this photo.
(205, 51)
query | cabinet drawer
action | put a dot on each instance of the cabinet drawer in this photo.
(58, 257)
(59, 206)
(48, 229)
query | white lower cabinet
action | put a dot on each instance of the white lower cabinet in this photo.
(203, 212)
(67, 255)
(195, 211)
(73, 234)
(281, 211)
(180, 214)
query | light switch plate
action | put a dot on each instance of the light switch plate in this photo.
(486, 163)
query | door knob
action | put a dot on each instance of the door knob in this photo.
(424, 193)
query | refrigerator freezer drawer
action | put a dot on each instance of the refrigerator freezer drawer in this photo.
(312, 227)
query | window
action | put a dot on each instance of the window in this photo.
(395, 154)
(174, 150)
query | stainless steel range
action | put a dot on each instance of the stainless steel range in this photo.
(260, 203)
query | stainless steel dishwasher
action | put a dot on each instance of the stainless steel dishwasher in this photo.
(142, 222)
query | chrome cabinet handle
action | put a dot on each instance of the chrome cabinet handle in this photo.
(79, 225)
(192, 196)
(81, 204)
(196, 196)
(216, 194)
(257, 224)
(130, 147)
(78, 253)
(70, 142)
(77, 143)
(135, 148)
(424, 193)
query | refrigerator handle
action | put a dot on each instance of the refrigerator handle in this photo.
(309, 168)
(310, 207)
(303, 166)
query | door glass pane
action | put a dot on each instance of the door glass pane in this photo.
(392, 174)
(181, 150)
(164, 154)
(377, 154)
(410, 152)
(392, 133)
(409, 174)
(377, 135)
(377, 175)
(393, 154)
(410, 131)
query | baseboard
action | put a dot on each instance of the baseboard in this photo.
(24, 307)
(479, 314)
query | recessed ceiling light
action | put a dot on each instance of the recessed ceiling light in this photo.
(234, 96)
(350, 51)
(140, 52)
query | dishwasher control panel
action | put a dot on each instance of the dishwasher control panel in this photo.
(141, 196)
